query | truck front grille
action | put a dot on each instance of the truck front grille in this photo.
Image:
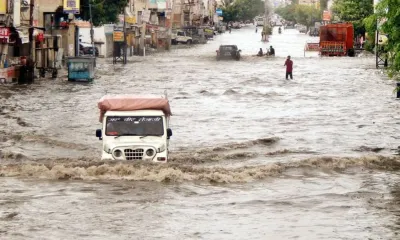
(134, 154)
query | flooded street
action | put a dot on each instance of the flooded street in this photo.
(254, 156)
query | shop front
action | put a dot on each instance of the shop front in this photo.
(14, 60)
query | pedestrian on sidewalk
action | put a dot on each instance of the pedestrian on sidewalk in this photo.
(289, 68)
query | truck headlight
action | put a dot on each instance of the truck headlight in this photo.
(150, 152)
(118, 153)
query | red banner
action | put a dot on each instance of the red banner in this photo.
(312, 47)
(4, 32)
(326, 16)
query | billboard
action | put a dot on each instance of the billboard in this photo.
(118, 36)
(3, 6)
(326, 16)
(71, 6)
(108, 29)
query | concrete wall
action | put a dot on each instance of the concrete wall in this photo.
(46, 6)
(98, 36)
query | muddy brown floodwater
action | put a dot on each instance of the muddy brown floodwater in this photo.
(254, 156)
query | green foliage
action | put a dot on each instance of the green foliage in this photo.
(370, 24)
(389, 10)
(297, 13)
(103, 11)
(307, 15)
(354, 12)
(241, 10)
(287, 12)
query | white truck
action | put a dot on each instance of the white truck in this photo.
(180, 37)
(259, 21)
(134, 128)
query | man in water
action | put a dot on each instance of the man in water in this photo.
(289, 68)
(260, 53)
(271, 51)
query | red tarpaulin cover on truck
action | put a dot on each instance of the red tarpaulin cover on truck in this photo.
(132, 103)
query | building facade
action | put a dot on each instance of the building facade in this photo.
(314, 3)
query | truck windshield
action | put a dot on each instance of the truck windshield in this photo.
(134, 126)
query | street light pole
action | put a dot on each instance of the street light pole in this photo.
(124, 51)
(92, 33)
(30, 63)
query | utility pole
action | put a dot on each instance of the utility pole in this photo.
(30, 62)
(125, 45)
(143, 35)
(92, 33)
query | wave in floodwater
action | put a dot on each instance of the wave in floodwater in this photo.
(90, 169)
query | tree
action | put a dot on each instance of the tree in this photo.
(243, 10)
(354, 12)
(103, 11)
(388, 14)
(323, 5)
(307, 15)
(287, 12)
(230, 13)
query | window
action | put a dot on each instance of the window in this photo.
(55, 21)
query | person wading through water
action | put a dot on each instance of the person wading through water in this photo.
(289, 68)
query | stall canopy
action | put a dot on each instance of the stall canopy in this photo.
(132, 103)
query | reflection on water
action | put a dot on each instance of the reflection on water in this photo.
(257, 155)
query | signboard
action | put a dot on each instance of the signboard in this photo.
(312, 47)
(218, 12)
(71, 6)
(4, 34)
(130, 19)
(326, 16)
(108, 29)
(118, 36)
(146, 15)
(161, 4)
(3, 6)
(17, 13)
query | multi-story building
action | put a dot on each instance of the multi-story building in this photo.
(192, 12)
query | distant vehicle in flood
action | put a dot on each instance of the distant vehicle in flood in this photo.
(228, 52)
(259, 21)
(180, 36)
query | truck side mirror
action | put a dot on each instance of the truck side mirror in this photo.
(169, 133)
(98, 134)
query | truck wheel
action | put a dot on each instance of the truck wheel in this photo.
(189, 42)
